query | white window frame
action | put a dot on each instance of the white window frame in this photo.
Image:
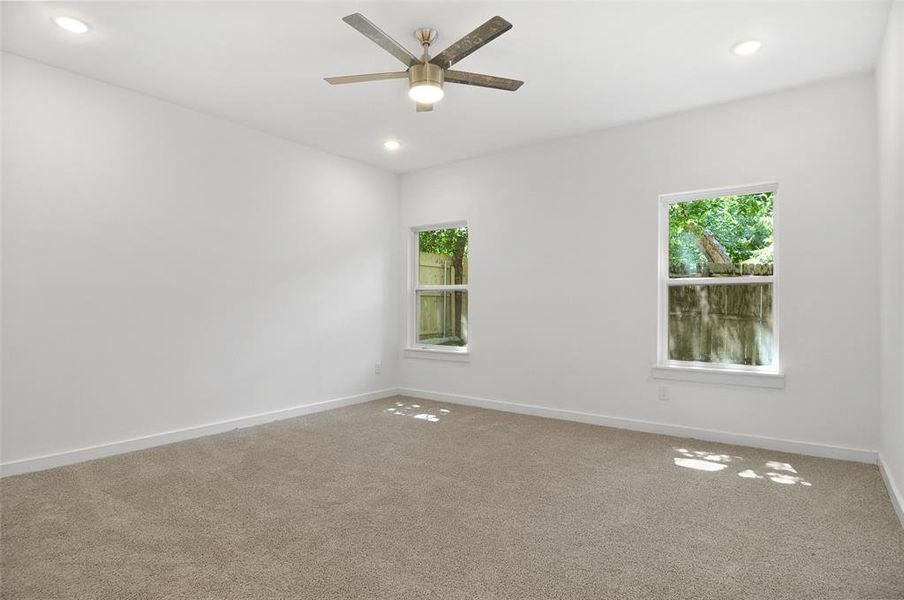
(706, 372)
(413, 346)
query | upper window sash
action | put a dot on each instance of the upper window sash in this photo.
(415, 284)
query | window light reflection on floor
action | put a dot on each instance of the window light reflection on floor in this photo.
(702, 460)
(780, 466)
(786, 479)
(700, 465)
(723, 458)
(416, 411)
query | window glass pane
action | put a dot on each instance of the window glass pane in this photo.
(729, 324)
(443, 318)
(721, 237)
(443, 258)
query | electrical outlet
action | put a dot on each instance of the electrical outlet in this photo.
(378, 368)
(663, 393)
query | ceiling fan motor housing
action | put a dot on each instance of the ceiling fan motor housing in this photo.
(426, 74)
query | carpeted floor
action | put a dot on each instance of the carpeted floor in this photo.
(403, 498)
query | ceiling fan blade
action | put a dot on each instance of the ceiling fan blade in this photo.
(489, 81)
(481, 36)
(365, 77)
(377, 36)
(424, 107)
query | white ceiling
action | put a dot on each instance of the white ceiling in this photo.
(586, 65)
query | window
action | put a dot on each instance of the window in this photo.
(439, 302)
(717, 280)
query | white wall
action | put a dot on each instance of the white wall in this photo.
(890, 97)
(165, 269)
(564, 258)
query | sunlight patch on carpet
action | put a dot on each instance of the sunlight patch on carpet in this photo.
(775, 471)
(418, 411)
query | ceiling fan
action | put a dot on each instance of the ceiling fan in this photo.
(426, 75)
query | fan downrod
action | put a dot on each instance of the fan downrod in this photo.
(425, 36)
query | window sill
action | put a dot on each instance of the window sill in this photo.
(761, 379)
(437, 354)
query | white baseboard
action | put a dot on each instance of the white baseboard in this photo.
(725, 437)
(68, 457)
(894, 492)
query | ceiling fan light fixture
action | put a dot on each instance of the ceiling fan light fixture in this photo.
(426, 75)
(425, 83)
(426, 93)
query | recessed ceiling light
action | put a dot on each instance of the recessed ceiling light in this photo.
(71, 24)
(392, 145)
(747, 47)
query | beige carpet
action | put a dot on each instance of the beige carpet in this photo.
(386, 501)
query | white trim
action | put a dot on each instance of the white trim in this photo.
(452, 287)
(719, 367)
(438, 353)
(724, 376)
(68, 457)
(733, 190)
(711, 435)
(444, 225)
(727, 280)
(894, 492)
(662, 342)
